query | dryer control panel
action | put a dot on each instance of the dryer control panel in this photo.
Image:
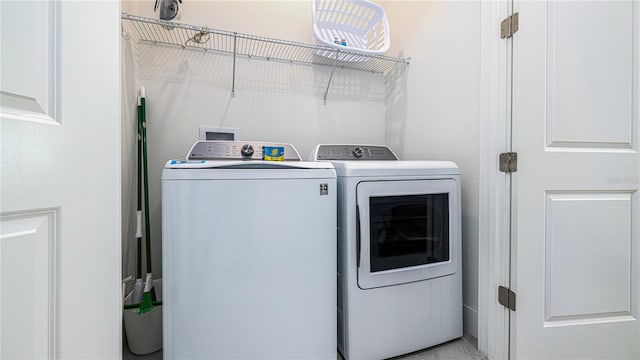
(354, 152)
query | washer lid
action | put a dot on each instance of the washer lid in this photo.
(246, 170)
(245, 165)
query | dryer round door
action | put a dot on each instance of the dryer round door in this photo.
(408, 231)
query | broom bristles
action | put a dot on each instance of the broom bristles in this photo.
(147, 303)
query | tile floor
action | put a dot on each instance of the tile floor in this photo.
(464, 348)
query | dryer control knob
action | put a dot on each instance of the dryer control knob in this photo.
(358, 152)
(246, 151)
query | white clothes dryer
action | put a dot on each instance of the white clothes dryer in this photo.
(249, 254)
(399, 251)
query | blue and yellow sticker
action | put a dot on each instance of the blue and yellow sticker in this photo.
(174, 162)
(273, 153)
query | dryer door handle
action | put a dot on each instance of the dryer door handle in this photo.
(357, 235)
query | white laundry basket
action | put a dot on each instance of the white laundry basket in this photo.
(362, 25)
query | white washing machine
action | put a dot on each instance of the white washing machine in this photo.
(249, 254)
(399, 251)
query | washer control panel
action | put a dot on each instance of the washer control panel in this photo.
(354, 152)
(237, 150)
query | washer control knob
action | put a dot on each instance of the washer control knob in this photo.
(358, 152)
(246, 151)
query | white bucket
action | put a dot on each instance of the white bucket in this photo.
(144, 331)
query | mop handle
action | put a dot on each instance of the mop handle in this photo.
(146, 179)
(139, 208)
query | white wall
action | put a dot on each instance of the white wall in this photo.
(434, 113)
(274, 101)
(430, 112)
(128, 154)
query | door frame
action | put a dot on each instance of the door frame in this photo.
(495, 337)
(63, 215)
(494, 186)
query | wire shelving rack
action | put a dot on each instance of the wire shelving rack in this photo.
(203, 38)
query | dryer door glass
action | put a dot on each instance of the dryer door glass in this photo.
(408, 230)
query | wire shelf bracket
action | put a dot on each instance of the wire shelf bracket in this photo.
(237, 44)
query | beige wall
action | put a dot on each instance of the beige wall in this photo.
(427, 111)
(436, 115)
(274, 101)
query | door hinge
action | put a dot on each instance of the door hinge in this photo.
(507, 298)
(509, 26)
(509, 162)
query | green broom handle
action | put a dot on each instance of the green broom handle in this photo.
(147, 229)
(139, 208)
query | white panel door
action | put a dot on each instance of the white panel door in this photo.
(576, 130)
(60, 156)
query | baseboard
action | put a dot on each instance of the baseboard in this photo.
(470, 321)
